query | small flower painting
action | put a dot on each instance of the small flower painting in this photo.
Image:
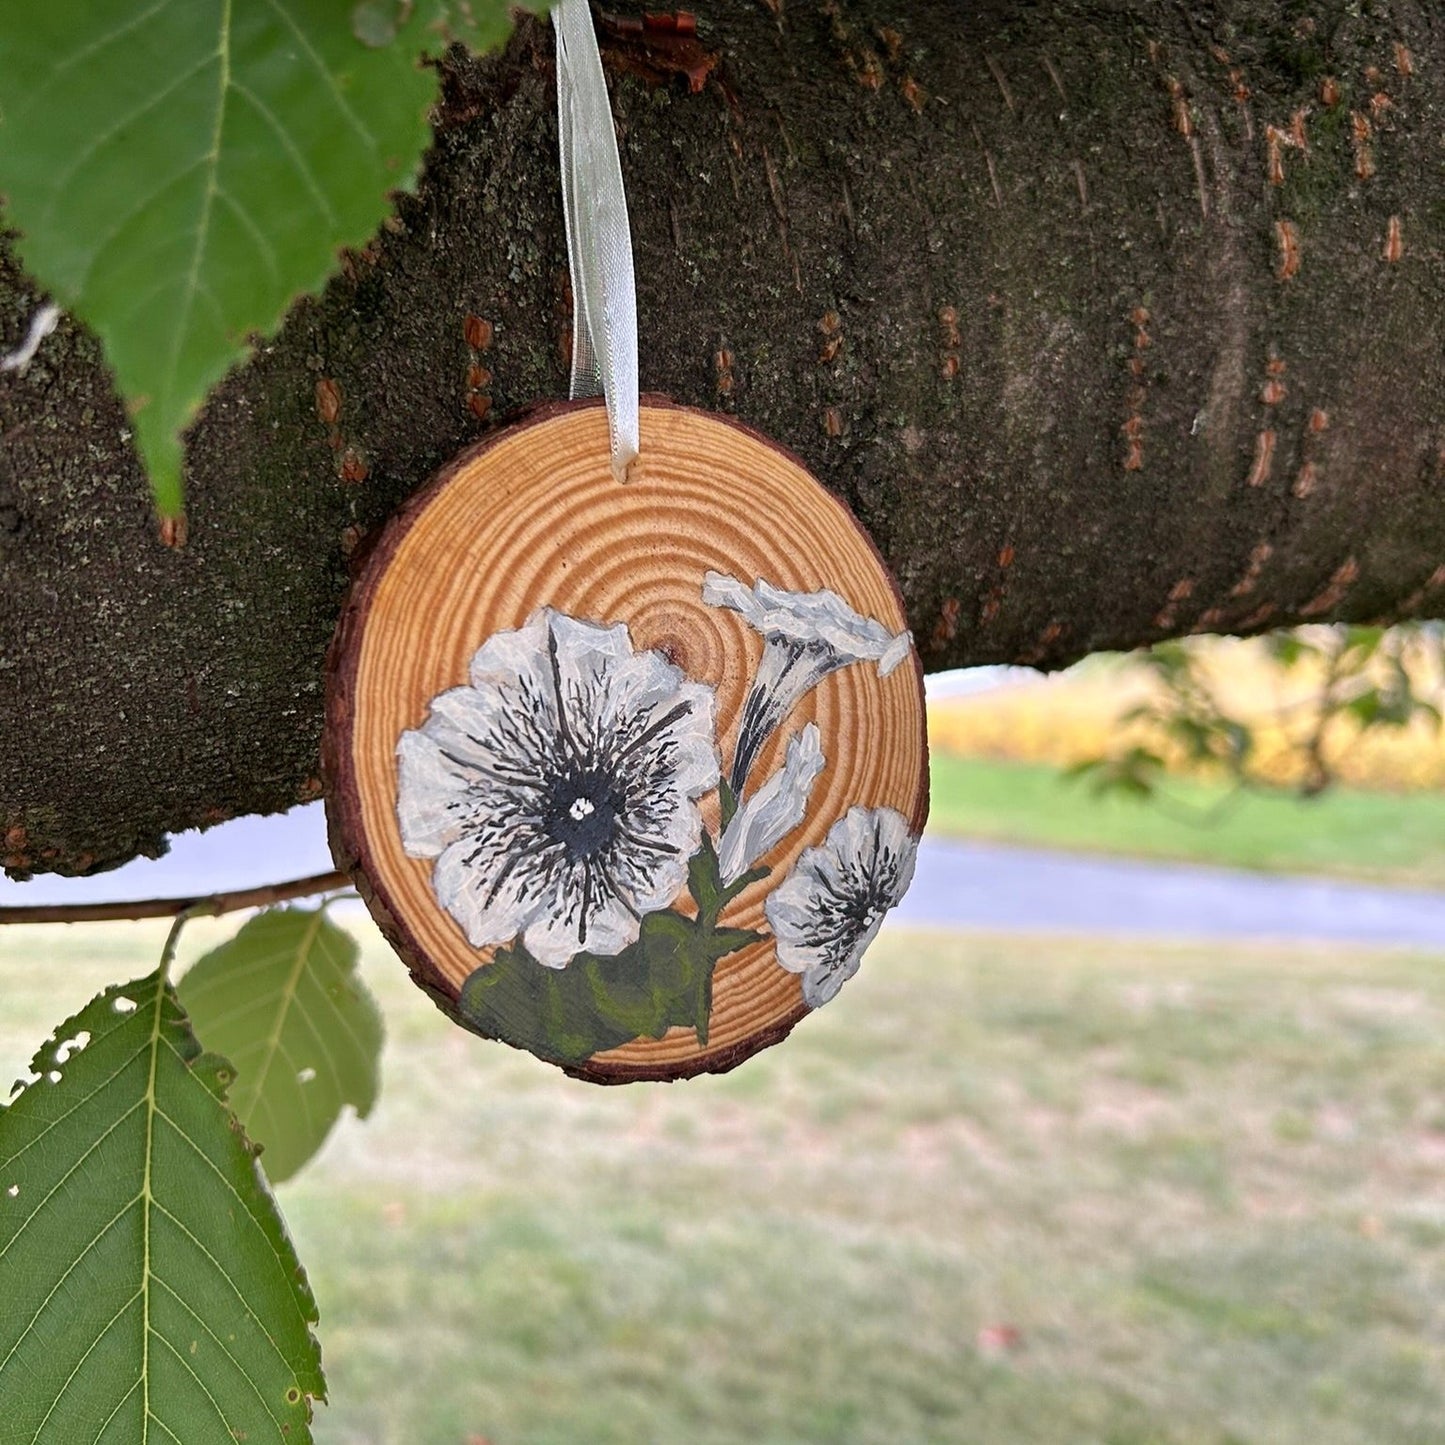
(833, 903)
(558, 797)
(807, 635)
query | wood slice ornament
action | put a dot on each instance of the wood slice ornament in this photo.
(628, 774)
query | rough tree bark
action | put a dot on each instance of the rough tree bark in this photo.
(1111, 321)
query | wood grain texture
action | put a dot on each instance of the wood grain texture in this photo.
(533, 518)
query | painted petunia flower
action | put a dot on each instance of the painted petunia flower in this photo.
(830, 908)
(558, 790)
(774, 810)
(807, 635)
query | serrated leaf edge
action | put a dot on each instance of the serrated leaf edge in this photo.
(163, 991)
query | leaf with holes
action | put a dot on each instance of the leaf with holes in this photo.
(182, 169)
(150, 1291)
(282, 1001)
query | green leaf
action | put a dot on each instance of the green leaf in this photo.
(1133, 773)
(480, 24)
(150, 1291)
(282, 1001)
(1289, 648)
(182, 169)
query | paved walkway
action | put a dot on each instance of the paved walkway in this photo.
(958, 884)
(980, 885)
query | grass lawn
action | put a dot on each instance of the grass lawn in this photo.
(1387, 837)
(1206, 1189)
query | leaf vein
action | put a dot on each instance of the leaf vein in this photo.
(203, 225)
(86, 52)
(59, 1183)
(105, 1424)
(186, 1366)
(80, 1364)
(225, 1275)
(216, 1340)
(74, 1265)
(304, 42)
(293, 152)
(61, 185)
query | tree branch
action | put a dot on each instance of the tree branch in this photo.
(203, 907)
(1094, 355)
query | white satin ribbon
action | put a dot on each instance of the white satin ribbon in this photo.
(599, 240)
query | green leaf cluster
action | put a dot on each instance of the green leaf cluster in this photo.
(1369, 678)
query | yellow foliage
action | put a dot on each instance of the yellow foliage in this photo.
(1075, 716)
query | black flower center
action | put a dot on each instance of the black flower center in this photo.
(582, 813)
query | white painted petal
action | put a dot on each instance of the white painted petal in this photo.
(695, 762)
(552, 940)
(792, 911)
(428, 784)
(719, 590)
(507, 660)
(552, 935)
(820, 985)
(825, 617)
(586, 650)
(468, 710)
(771, 813)
(638, 684)
(464, 721)
(611, 929)
(897, 836)
(483, 894)
(659, 882)
(873, 838)
(869, 642)
(895, 653)
(850, 839)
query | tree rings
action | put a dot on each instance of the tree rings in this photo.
(627, 774)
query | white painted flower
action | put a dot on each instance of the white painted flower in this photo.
(832, 904)
(558, 791)
(771, 813)
(807, 635)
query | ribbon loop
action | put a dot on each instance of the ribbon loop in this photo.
(599, 239)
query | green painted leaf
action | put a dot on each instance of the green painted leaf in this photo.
(728, 805)
(551, 1012)
(704, 880)
(150, 1293)
(182, 169)
(662, 981)
(282, 1001)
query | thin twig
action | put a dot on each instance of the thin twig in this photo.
(204, 906)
